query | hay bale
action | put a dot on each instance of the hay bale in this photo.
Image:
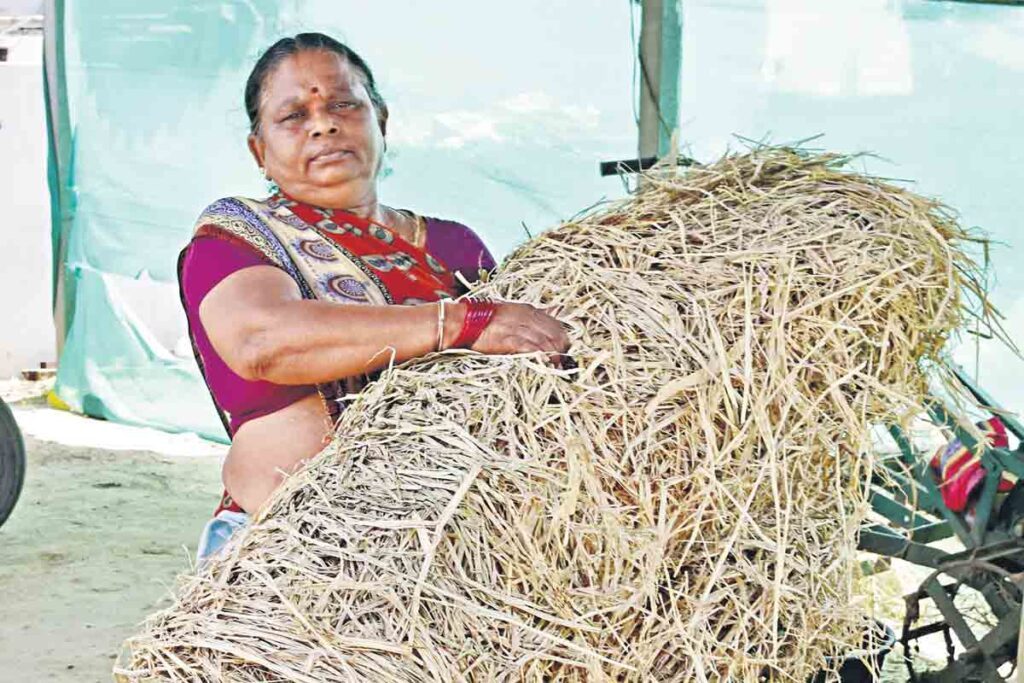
(683, 506)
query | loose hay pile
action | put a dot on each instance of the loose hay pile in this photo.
(684, 506)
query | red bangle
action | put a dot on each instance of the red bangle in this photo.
(479, 313)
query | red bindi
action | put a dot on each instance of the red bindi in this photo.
(314, 89)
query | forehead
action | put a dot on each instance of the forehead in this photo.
(297, 75)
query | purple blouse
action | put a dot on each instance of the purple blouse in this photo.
(208, 260)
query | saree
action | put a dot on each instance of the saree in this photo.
(332, 255)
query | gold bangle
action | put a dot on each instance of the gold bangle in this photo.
(440, 323)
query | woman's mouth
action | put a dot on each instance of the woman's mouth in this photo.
(331, 156)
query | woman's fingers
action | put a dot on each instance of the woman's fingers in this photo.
(526, 345)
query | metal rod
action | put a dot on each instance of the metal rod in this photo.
(986, 503)
(59, 132)
(636, 165)
(659, 54)
(649, 55)
(1010, 3)
(929, 489)
(986, 401)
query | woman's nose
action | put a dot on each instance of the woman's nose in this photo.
(327, 128)
(322, 124)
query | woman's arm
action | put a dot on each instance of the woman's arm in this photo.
(263, 329)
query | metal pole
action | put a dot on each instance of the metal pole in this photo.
(650, 68)
(660, 55)
(59, 133)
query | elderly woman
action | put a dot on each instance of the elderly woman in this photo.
(293, 300)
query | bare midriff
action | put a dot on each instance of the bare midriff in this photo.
(290, 435)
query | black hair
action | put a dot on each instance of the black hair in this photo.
(287, 47)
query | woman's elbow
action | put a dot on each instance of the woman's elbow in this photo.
(249, 343)
(257, 357)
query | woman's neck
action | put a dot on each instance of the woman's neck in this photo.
(368, 208)
(371, 210)
(365, 206)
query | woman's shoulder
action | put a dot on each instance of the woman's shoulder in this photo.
(229, 235)
(447, 225)
(242, 209)
(245, 219)
(456, 241)
(458, 246)
(210, 257)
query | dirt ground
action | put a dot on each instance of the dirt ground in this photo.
(91, 549)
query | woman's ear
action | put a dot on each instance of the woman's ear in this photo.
(256, 148)
(382, 119)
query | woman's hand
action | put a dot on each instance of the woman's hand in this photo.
(522, 328)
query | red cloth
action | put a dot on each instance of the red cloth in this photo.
(408, 273)
(960, 471)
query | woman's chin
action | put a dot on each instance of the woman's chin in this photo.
(334, 179)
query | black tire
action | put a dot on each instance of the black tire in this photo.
(12, 462)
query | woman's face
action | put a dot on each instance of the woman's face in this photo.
(319, 137)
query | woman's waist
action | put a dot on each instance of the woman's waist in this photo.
(301, 428)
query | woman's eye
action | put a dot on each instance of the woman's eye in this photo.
(346, 104)
(295, 115)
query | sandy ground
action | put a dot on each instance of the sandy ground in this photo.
(110, 515)
(95, 541)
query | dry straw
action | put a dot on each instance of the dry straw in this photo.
(683, 506)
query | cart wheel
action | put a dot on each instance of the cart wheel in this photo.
(12, 462)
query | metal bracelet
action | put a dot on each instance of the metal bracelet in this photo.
(440, 323)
